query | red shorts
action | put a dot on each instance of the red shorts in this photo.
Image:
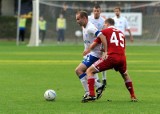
(118, 62)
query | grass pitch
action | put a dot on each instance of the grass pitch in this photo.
(26, 72)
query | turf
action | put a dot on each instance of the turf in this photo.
(26, 72)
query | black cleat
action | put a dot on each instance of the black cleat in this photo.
(88, 98)
(104, 82)
(99, 91)
(85, 95)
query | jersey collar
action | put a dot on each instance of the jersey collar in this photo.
(111, 27)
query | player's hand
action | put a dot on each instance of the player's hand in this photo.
(102, 49)
(86, 52)
(131, 39)
(105, 56)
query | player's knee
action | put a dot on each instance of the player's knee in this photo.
(78, 71)
(89, 72)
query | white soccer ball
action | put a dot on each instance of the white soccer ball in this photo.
(78, 33)
(50, 95)
(40, 41)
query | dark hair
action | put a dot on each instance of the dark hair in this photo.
(83, 14)
(117, 8)
(96, 6)
(110, 21)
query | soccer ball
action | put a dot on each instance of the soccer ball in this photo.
(40, 41)
(50, 95)
(78, 33)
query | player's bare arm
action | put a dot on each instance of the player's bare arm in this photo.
(130, 34)
(90, 48)
(104, 41)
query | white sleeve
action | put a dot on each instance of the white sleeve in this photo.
(94, 31)
(89, 18)
(126, 24)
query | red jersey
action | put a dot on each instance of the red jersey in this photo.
(115, 40)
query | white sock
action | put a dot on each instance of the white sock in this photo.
(84, 83)
(96, 76)
(97, 82)
(104, 75)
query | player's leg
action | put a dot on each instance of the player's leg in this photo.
(128, 82)
(80, 71)
(104, 75)
(91, 83)
(23, 35)
(99, 66)
(43, 35)
(100, 87)
(63, 35)
(88, 61)
(95, 68)
(104, 78)
(98, 84)
(20, 35)
(58, 36)
(129, 86)
(40, 34)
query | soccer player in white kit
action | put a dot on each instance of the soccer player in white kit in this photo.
(90, 32)
(121, 22)
(98, 21)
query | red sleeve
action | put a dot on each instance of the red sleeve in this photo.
(98, 40)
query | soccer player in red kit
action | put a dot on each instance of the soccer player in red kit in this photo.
(114, 58)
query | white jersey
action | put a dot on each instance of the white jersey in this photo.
(90, 33)
(99, 23)
(121, 23)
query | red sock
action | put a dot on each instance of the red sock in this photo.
(130, 88)
(91, 82)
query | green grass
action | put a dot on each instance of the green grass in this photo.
(26, 72)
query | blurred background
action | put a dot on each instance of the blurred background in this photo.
(143, 18)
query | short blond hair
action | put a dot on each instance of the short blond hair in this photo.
(82, 14)
(117, 8)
